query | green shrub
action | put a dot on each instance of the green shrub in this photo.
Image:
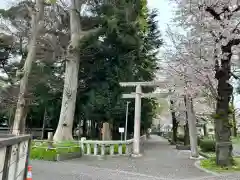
(199, 140)
(207, 145)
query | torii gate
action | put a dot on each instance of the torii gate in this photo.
(137, 115)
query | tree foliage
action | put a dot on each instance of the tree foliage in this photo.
(124, 50)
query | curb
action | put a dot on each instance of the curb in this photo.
(197, 165)
(68, 156)
(204, 155)
(197, 158)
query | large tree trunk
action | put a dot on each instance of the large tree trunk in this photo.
(222, 125)
(21, 111)
(234, 124)
(186, 127)
(186, 134)
(224, 88)
(65, 124)
(174, 123)
(205, 133)
(84, 127)
(44, 122)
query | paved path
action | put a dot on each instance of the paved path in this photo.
(159, 162)
(236, 149)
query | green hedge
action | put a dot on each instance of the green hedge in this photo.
(180, 138)
(199, 140)
(207, 145)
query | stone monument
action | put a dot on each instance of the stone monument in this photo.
(106, 132)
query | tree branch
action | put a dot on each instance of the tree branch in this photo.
(214, 13)
(227, 48)
(234, 75)
(88, 33)
(217, 16)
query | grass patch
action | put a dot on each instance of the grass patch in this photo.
(41, 150)
(211, 165)
(208, 154)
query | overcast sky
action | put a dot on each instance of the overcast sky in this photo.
(163, 6)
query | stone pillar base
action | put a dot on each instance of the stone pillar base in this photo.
(136, 155)
(196, 158)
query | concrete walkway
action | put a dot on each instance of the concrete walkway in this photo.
(236, 149)
(159, 162)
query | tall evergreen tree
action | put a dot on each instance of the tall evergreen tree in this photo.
(124, 50)
(127, 51)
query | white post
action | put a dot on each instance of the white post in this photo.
(192, 128)
(191, 120)
(137, 122)
(126, 121)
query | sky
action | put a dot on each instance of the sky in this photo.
(163, 6)
(165, 10)
(4, 3)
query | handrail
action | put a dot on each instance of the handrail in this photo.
(108, 142)
(14, 156)
(98, 147)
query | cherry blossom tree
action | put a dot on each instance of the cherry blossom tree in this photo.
(189, 52)
(218, 20)
(191, 66)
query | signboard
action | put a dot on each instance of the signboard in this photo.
(121, 130)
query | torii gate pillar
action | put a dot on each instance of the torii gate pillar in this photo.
(137, 121)
(137, 115)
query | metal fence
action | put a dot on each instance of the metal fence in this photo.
(14, 151)
(36, 133)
